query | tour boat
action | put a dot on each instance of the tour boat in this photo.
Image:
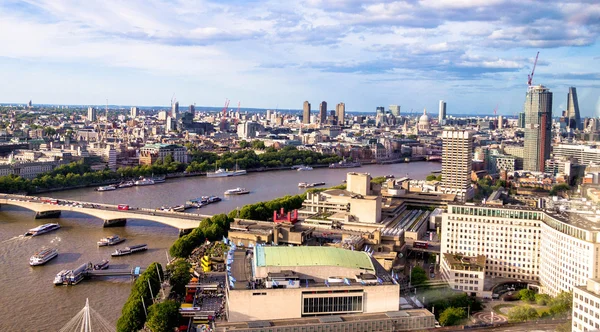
(344, 164)
(305, 168)
(106, 188)
(61, 277)
(42, 229)
(43, 256)
(110, 241)
(102, 265)
(126, 184)
(237, 191)
(130, 250)
(224, 173)
(144, 182)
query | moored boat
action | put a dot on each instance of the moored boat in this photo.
(344, 164)
(110, 241)
(106, 188)
(130, 250)
(126, 184)
(237, 191)
(144, 182)
(305, 168)
(224, 173)
(42, 229)
(103, 265)
(43, 256)
(61, 277)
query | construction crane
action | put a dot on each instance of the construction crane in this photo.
(530, 76)
(238, 110)
(496, 109)
(225, 107)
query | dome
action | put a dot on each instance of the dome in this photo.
(424, 119)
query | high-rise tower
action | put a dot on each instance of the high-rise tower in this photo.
(457, 163)
(538, 128)
(340, 112)
(306, 113)
(91, 114)
(323, 112)
(134, 112)
(175, 109)
(395, 110)
(573, 110)
(442, 112)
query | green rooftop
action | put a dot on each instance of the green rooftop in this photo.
(312, 256)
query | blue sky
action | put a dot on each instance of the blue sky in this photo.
(475, 54)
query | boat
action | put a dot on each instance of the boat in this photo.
(303, 185)
(102, 265)
(214, 199)
(106, 188)
(61, 277)
(43, 256)
(144, 182)
(45, 228)
(305, 168)
(344, 164)
(310, 185)
(158, 179)
(110, 241)
(237, 191)
(178, 208)
(130, 250)
(126, 184)
(224, 173)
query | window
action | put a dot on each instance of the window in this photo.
(333, 304)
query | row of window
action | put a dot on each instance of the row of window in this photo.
(332, 304)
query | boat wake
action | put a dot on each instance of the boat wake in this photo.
(14, 238)
(56, 240)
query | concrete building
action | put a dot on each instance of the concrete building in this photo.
(442, 112)
(175, 110)
(457, 163)
(586, 307)
(359, 183)
(323, 112)
(295, 282)
(581, 154)
(150, 153)
(306, 113)
(395, 110)
(135, 112)
(465, 274)
(28, 170)
(573, 110)
(380, 110)
(248, 129)
(538, 128)
(521, 120)
(91, 114)
(171, 124)
(340, 112)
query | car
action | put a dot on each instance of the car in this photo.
(437, 324)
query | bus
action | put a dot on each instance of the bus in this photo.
(123, 207)
(420, 244)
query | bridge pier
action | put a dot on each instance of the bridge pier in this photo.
(115, 222)
(183, 232)
(47, 214)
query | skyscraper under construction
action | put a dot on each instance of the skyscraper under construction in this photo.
(573, 110)
(538, 128)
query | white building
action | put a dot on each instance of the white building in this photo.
(465, 273)
(586, 307)
(457, 163)
(582, 154)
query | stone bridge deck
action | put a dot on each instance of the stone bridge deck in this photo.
(106, 212)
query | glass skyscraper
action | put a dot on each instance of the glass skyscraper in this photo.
(538, 128)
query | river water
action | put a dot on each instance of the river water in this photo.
(29, 300)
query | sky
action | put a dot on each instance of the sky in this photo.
(474, 54)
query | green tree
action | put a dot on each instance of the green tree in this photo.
(179, 275)
(163, 316)
(561, 305)
(522, 314)
(418, 276)
(559, 188)
(431, 177)
(542, 299)
(258, 145)
(527, 295)
(451, 316)
(244, 144)
(378, 180)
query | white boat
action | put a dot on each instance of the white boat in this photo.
(130, 250)
(144, 182)
(126, 184)
(218, 173)
(110, 241)
(61, 277)
(43, 256)
(42, 229)
(237, 191)
(305, 168)
(106, 188)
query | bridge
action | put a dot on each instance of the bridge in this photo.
(112, 215)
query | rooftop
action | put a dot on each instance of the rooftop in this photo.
(312, 256)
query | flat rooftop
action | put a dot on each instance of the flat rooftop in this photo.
(312, 256)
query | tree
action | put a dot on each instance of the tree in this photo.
(431, 177)
(418, 276)
(244, 144)
(561, 304)
(180, 276)
(527, 295)
(522, 313)
(451, 316)
(163, 316)
(258, 145)
(542, 299)
(558, 188)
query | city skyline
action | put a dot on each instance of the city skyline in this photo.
(363, 53)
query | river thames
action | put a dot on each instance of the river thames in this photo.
(31, 302)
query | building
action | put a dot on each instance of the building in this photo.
(305, 281)
(521, 121)
(395, 110)
(457, 163)
(150, 153)
(28, 169)
(306, 113)
(557, 251)
(135, 112)
(171, 124)
(380, 110)
(465, 274)
(424, 123)
(538, 128)
(500, 122)
(581, 154)
(340, 112)
(573, 110)
(323, 112)
(91, 114)
(248, 129)
(586, 307)
(442, 112)
(175, 110)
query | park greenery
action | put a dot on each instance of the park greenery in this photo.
(454, 300)
(485, 187)
(163, 316)
(418, 277)
(264, 210)
(559, 306)
(146, 286)
(451, 316)
(433, 177)
(559, 188)
(178, 273)
(211, 229)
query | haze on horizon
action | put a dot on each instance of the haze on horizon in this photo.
(472, 54)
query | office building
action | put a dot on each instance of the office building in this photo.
(380, 110)
(323, 112)
(395, 110)
(306, 113)
(248, 129)
(340, 112)
(442, 112)
(150, 153)
(573, 110)
(171, 124)
(521, 121)
(464, 273)
(135, 112)
(457, 163)
(175, 110)
(581, 154)
(500, 122)
(91, 114)
(586, 307)
(538, 128)
(192, 110)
